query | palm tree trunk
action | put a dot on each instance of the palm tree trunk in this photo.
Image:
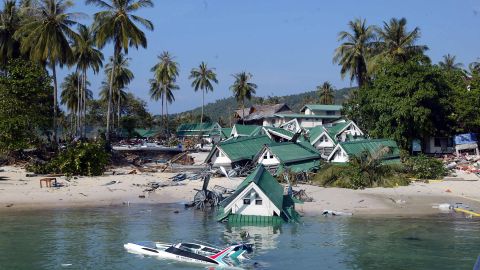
(110, 90)
(118, 112)
(243, 112)
(163, 120)
(55, 90)
(84, 108)
(203, 104)
(166, 117)
(79, 104)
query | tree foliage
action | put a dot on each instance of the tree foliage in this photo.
(405, 101)
(25, 104)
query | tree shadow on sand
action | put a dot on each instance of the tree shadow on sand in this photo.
(4, 178)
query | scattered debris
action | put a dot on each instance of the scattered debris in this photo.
(133, 172)
(9, 205)
(302, 196)
(112, 183)
(335, 213)
(141, 196)
(83, 194)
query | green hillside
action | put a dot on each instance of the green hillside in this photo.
(224, 108)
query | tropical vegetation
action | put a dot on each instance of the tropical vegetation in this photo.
(202, 80)
(243, 89)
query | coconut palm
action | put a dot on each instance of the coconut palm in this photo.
(9, 23)
(356, 48)
(243, 89)
(86, 56)
(121, 78)
(202, 80)
(397, 42)
(326, 93)
(474, 67)
(165, 75)
(70, 97)
(449, 63)
(46, 37)
(117, 23)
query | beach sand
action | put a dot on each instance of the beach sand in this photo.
(19, 192)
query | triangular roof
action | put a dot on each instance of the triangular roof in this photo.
(147, 133)
(290, 152)
(288, 135)
(355, 148)
(266, 182)
(246, 130)
(226, 133)
(322, 107)
(258, 112)
(241, 148)
(331, 131)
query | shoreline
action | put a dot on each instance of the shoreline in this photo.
(19, 193)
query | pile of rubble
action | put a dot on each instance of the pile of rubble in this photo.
(466, 163)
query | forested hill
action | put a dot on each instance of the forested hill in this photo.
(224, 107)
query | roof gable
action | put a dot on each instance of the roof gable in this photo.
(246, 130)
(265, 181)
(355, 148)
(242, 148)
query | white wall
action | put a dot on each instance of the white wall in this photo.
(323, 142)
(339, 156)
(310, 123)
(308, 111)
(220, 159)
(270, 159)
(265, 209)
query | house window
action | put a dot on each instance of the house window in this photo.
(271, 155)
(246, 201)
(258, 201)
(437, 142)
(330, 112)
(265, 156)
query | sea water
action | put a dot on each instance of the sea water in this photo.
(93, 238)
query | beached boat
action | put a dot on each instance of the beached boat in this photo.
(192, 252)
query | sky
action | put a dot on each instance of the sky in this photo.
(287, 45)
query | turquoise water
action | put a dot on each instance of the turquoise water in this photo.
(93, 239)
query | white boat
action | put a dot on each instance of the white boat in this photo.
(192, 252)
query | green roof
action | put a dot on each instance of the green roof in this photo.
(336, 128)
(299, 115)
(266, 182)
(315, 132)
(247, 130)
(290, 152)
(146, 133)
(281, 131)
(197, 129)
(226, 133)
(241, 148)
(322, 107)
(298, 167)
(355, 148)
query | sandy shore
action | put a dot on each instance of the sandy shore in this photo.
(20, 192)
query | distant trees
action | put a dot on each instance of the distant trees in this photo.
(243, 88)
(164, 82)
(203, 77)
(325, 92)
(449, 63)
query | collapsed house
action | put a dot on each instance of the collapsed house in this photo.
(225, 133)
(259, 199)
(325, 138)
(466, 142)
(236, 151)
(210, 132)
(289, 156)
(344, 150)
(278, 134)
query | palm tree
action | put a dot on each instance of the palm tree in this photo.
(86, 56)
(474, 67)
(122, 77)
(70, 97)
(9, 23)
(116, 23)
(165, 75)
(397, 42)
(243, 89)
(202, 79)
(353, 53)
(449, 63)
(326, 93)
(46, 37)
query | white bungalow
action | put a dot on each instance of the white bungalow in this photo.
(344, 150)
(325, 138)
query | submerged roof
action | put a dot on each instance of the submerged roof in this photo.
(266, 182)
(241, 148)
(355, 148)
(322, 107)
(147, 133)
(198, 129)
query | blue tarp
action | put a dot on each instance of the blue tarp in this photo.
(467, 138)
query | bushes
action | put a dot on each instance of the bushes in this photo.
(423, 167)
(84, 158)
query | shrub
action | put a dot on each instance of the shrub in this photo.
(84, 158)
(423, 167)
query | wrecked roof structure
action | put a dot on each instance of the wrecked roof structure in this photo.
(258, 113)
(205, 130)
(236, 150)
(147, 133)
(245, 130)
(296, 157)
(344, 150)
(226, 133)
(278, 133)
(259, 199)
